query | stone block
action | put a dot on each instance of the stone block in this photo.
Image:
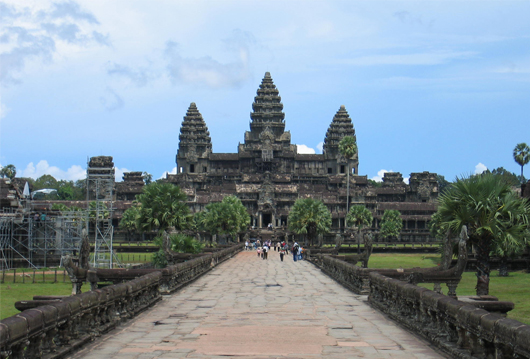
(74, 304)
(17, 328)
(487, 326)
(505, 330)
(34, 320)
(463, 314)
(89, 300)
(522, 341)
(63, 310)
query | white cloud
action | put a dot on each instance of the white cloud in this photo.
(406, 180)
(320, 147)
(480, 168)
(380, 175)
(74, 173)
(39, 34)
(303, 149)
(172, 172)
(111, 100)
(3, 110)
(207, 71)
(428, 58)
(118, 173)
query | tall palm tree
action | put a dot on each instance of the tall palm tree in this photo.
(348, 148)
(309, 217)
(162, 205)
(492, 213)
(359, 216)
(521, 155)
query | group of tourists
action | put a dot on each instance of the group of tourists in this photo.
(281, 247)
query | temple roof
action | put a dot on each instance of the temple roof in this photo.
(340, 127)
(194, 130)
(267, 108)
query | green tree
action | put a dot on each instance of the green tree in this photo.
(179, 243)
(521, 155)
(309, 217)
(443, 184)
(147, 177)
(375, 183)
(225, 218)
(391, 224)
(9, 171)
(493, 214)
(359, 216)
(45, 181)
(509, 177)
(129, 220)
(162, 205)
(348, 149)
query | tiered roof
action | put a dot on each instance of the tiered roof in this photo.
(194, 131)
(340, 127)
(267, 108)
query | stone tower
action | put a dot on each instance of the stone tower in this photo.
(267, 142)
(340, 127)
(195, 144)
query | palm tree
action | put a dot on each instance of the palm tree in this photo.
(521, 155)
(391, 224)
(309, 216)
(228, 217)
(129, 220)
(9, 171)
(493, 214)
(359, 216)
(162, 205)
(348, 148)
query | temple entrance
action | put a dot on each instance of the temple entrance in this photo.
(266, 219)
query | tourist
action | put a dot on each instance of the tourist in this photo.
(265, 251)
(246, 245)
(259, 251)
(294, 250)
(282, 253)
(300, 253)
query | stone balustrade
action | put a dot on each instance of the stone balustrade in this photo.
(460, 329)
(61, 327)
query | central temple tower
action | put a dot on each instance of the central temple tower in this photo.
(267, 145)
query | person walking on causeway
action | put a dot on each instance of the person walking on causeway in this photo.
(294, 250)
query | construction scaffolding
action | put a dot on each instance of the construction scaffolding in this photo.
(39, 239)
(100, 202)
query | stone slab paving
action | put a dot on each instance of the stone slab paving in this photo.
(253, 308)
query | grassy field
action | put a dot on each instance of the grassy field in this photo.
(11, 293)
(515, 288)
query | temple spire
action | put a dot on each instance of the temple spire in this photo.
(194, 133)
(340, 127)
(267, 109)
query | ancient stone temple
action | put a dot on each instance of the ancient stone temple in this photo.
(268, 174)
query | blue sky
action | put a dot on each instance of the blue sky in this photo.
(440, 86)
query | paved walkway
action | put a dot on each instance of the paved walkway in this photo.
(253, 308)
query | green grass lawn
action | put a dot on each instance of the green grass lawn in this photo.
(515, 288)
(11, 293)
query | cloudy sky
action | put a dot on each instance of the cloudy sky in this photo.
(440, 86)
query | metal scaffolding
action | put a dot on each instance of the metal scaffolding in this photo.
(100, 187)
(39, 239)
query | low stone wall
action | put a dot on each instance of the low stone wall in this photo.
(459, 329)
(62, 327)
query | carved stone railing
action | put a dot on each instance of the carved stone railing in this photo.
(459, 329)
(61, 327)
